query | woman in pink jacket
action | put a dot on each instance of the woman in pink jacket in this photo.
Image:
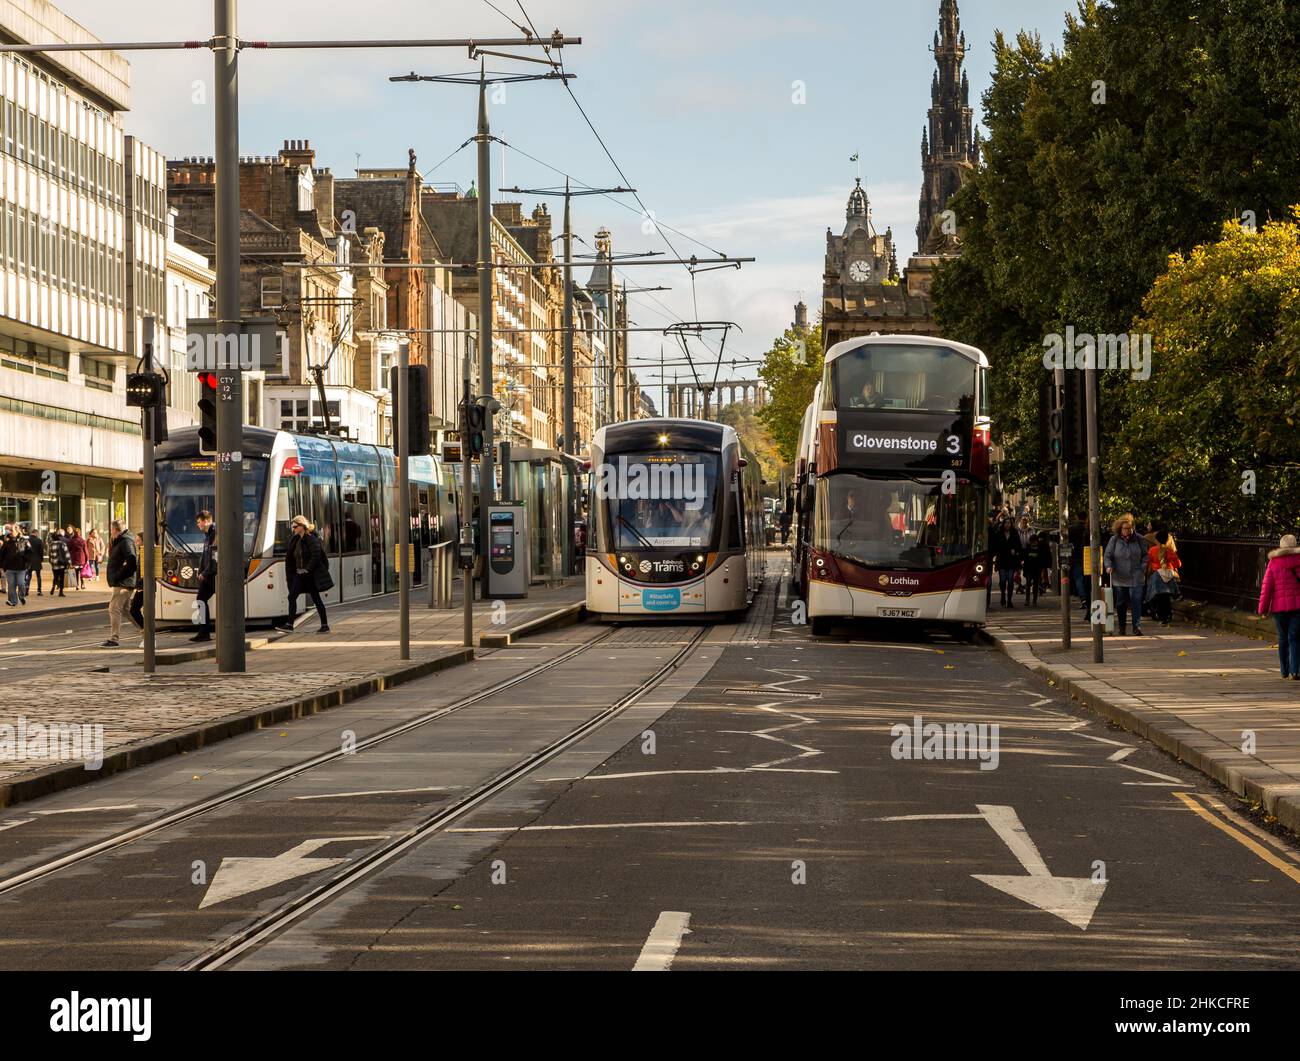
(1280, 597)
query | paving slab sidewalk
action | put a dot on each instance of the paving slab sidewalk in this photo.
(1214, 699)
(188, 705)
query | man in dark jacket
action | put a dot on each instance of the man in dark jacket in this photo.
(207, 575)
(13, 561)
(123, 574)
(1008, 555)
(35, 562)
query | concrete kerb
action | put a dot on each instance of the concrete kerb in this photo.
(1276, 792)
(62, 776)
(562, 617)
(54, 613)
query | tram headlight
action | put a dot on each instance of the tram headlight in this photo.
(695, 566)
(821, 562)
(979, 569)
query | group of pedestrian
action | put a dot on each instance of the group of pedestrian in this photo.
(1022, 558)
(24, 554)
(1141, 569)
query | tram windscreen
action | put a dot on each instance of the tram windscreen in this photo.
(899, 523)
(660, 500)
(909, 378)
(186, 488)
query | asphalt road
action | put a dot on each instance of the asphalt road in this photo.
(751, 812)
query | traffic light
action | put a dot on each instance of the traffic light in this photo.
(208, 413)
(144, 390)
(475, 426)
(1074, 420)
(417, 406)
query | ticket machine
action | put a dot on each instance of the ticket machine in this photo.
(508, 552)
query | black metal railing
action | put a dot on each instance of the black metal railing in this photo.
(1224, 571)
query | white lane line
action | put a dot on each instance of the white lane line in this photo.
(1103, 740)
(1150, 773)
(661, 946)
(714, 770)
(1040, 703)
(603, 825)
(926, 817)
(375, 792)
(88, 810)
(1123, 753)
(1152, 784)
(14, 825)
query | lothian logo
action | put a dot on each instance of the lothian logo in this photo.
(898, 580)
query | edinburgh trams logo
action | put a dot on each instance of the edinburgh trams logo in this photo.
(681, 483)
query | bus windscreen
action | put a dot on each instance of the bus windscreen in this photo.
(898, 523)
(906, 378)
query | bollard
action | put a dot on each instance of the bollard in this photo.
(441, 575)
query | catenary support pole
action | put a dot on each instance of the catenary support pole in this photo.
(1094, 517)
(403, 407)
(149, 515)
(1062, 517)
(230, 390)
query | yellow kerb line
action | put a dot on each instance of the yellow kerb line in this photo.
(1240, 837)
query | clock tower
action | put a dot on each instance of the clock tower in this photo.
(861, 256)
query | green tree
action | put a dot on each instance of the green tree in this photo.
(1152, 124)
(791, 371)
(1218, 443)
(744, 418)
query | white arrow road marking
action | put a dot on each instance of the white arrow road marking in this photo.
(661, 947)
(1073, 899)
(1123, 753)
(1151, 773)
(240, 875)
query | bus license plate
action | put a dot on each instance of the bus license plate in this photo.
(897, 613)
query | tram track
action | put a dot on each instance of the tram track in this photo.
(205, 806)
(270, 924)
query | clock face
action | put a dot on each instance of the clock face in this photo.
(860, 272)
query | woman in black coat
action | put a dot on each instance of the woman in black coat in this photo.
(309, 571)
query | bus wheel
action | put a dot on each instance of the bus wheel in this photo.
(821, 626)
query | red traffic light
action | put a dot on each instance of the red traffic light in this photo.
(208, 379)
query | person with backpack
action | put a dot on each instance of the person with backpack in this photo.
(309, 572)
(1279, 597)
(123, 570)
(13, 561)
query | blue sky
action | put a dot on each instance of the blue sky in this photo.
(693, 97)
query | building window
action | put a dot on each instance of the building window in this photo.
(24, 356)
(272, 292)
(98, 375)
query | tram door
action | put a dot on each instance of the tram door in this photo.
(376, 495)
(419, 531)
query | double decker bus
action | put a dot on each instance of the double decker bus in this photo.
(892, 489)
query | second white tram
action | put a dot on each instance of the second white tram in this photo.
(675, 522)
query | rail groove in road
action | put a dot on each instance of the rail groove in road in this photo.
(238, 792)
(270, 924)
